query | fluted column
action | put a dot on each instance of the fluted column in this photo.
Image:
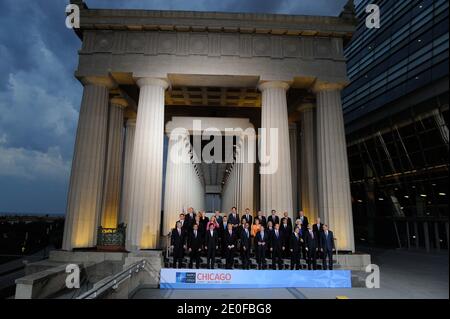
(294, 161)
(333, 175)
(174, 194)
(199, 189)
(113, 176)
(87, 176)
(146, 177)
(248, 158)
(196, 184)
(229, 190)
(276, 183)
(308, 173)
(238, 167)
(130, 130)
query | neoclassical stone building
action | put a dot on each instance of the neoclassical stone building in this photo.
(147, 72)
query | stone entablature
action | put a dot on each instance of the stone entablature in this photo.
(163, 53)
(164, 43)
(212, 44)
(216, 22)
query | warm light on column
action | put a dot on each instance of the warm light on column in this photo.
(147, 165)
(113, 176)
(276, 186)
(174, 195)
(87, 176)
(308, 166)
(129, 144)
(334, 197)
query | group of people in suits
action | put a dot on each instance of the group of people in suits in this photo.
(269, 237)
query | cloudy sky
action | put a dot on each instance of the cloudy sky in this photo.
(40, 99)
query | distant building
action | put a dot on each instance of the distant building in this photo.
(396, 117)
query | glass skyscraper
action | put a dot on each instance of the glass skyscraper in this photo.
(396, 116)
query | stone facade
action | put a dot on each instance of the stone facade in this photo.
(151, 51)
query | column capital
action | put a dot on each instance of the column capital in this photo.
(131, 122)
(119, 102)
(273, 85)
(306, 107)
(164, 83)
(104, 81)
(319, 86)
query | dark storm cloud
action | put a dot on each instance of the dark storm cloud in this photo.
(39, 97)
(302, 7)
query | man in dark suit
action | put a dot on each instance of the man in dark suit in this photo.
(211, 241)
(230, 246)
(233, 218)
(289, 219)
(327, 247)
(246, 246)
(219, 218)
(317, 229)
(182, 221)
(248, 216)
(222, 230)
(286, 231)
(261, 240)
(240, 228)
(311, 247)
(195, 243)
(190, 217)
(262, 218)
(273, 217)
(269, 230)
(296, 248)
(178, 245)
(304, 220)
(200, 225)
(277, 247)
(318, 226)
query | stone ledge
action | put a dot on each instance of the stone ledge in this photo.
(85, 256)
(354, 262)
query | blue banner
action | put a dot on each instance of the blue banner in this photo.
(222, 278)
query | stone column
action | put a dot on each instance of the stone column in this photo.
(248, 158)
(146, 168)
(294, 161)
(308, 164)
(128, 157)
(113, 176)
(229, 191)
(333, 176)
(174, 185)
(87, 176)
(239, 181)
(276, 183)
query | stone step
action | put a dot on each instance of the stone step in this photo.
(220, 263)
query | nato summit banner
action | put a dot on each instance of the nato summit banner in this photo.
(221, 278)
